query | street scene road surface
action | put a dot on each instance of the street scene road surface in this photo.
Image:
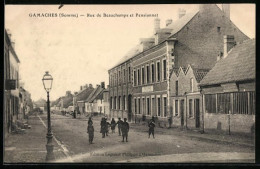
(169, 145)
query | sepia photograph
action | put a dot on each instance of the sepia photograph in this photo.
(136, 83)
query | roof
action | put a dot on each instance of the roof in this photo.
(67, 100)
(94, 94)
(239, 65)
(84, 94)
(175, 27)
(8, 39)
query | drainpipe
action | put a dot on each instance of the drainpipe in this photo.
(186, 111)
(202, 110)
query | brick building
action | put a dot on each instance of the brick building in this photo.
(141, 86)
(229, 90)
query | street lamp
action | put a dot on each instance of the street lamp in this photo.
(47, 83)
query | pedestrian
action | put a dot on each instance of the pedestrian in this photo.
(103, 125)
(125, 129)
(151, 125)
(107, 126)
(90, 121)
(113, 125)
(90, 132)
(119, 123)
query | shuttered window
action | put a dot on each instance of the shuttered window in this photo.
(210, 103)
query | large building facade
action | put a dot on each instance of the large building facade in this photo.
(11, 84)
(142, 86)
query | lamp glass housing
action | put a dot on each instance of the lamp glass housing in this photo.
(47, 81)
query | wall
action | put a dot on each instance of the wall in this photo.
(199, 42)
(238, 123)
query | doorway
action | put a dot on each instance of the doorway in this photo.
(182, 112)
(129, 108)
(197, 112)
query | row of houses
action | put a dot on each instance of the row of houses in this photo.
(17, 100)
(196, 72)
(88, 100)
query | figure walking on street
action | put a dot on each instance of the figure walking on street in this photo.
(125, 129)
(113, 125)
(103, 129)
(151, 125)
(90, 133)
(90, 121)
(107, 126)
(119, 123)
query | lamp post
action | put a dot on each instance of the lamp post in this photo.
(47, 83)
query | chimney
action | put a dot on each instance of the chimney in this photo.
(181, 12)
(81, 87)
(68, 93)
(90, 85)
(226, 10)
(229, 43)
(97, 85)
(146, 43)
(103, 85)
(156, 25)
(168, 22)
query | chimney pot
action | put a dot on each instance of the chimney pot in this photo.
(181, 12)
(168, 22)
(81, 87)
(90, 85)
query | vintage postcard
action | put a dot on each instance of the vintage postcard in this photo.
(132, 83)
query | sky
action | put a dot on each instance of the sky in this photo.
(80, 50)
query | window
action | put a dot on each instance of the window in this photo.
(210, 103)
(153, 79)
(191, 84)
(223, 103)
(143, 75)
(119, 105)
(138, 76)
(176, 108)
(165, 106)
(148, 106)
(176, 87)
(244, 103)
(190, 108)
(111, 102)
(139, 105)
(124, 76)
(153, 106)
(159, 106)
(129, 74)
(143, 106)
(123, 102)
(135, 108)
(115, 103)
(135, 80)
(158, 71)
(218, 28)
(148, 74)
(164, 69)
(119, 77)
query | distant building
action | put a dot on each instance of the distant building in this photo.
(11, 84)
(26, 104)
(229, 90)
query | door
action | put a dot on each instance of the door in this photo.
(197, 112)
(182, 112)
(129, 107)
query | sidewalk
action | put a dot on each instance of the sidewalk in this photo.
(29, 147)
(207, 136)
